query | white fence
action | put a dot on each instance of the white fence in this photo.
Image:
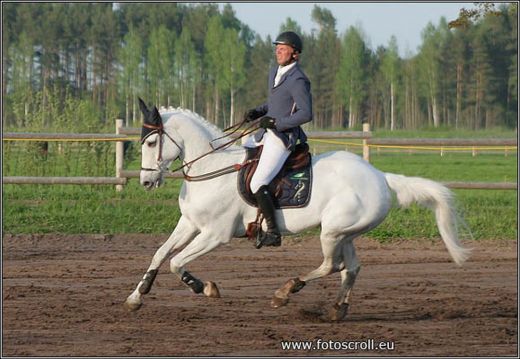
(129, 134)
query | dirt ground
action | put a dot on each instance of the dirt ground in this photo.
(63, 296)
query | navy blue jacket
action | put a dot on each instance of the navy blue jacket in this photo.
(294, 89)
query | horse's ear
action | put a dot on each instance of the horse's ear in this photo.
(155, 117)
(143, 108)
(152, 121)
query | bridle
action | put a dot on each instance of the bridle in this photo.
(159, 129)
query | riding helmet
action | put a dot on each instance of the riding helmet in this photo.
(289, 38)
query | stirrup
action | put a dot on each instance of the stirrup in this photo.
(268, 239)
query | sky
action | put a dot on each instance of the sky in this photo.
(379, 20)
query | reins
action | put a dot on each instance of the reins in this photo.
(229, 169)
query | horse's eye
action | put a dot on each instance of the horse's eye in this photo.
(151, 144)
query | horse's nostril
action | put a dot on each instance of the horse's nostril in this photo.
(146, 183)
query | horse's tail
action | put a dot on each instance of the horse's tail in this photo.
(437, 197)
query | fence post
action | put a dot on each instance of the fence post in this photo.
(119, 154)
(366, 149)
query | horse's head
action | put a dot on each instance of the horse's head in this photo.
(158, 147)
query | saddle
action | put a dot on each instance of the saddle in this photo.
(291, 187)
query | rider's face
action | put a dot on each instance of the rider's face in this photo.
(284, 54)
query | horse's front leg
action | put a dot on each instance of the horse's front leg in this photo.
(202, 244)
(184, 232)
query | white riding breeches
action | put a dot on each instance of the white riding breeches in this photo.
(271, 160)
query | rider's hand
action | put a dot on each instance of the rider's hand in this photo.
(267, 122)
(252, 115)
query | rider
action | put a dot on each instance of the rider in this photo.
(288, 106)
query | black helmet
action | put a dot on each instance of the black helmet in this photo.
(289, 38)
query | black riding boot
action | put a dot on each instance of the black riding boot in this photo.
(265, 202)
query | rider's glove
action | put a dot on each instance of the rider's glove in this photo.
(252, 115)
(267, 122)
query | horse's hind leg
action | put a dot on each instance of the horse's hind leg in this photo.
(348, 278)
(184, 232)
(332, 262)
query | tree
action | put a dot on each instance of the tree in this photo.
(233, 77)
(291, 25)
(512, 47)
(76, 22)
(324, 18)
(214, 58)
(160, 65)
(468, 16)
(187, 65)
(103, 39)
(460, 56)
(412, 109)
(390, 69)
(352, 74)
(130, 75)
(322, 62)
(258, 61)
(447, 70)
(21, 55)
(101, 56)
(429, 69)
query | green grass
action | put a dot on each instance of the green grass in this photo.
(488, 213)
(89, 209)
(445, 132)
(440, 132)
(100, 209)
(450, 167)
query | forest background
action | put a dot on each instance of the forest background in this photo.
(78, 66)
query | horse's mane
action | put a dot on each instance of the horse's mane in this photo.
(212, 130)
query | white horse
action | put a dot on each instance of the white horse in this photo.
(349, 197)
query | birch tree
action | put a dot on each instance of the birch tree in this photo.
(130, 74)
(352, 74)
(159, 65)
(213, 60)
(429, 70)
(390, 69)
(233, 56)
(187, 65)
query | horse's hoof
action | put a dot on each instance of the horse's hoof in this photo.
(211, 290)
(278, 302)
(132, 306)
(338, 312)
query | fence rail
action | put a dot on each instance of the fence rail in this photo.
(130, 134)
(64, 180)
(442, 142)
(63, 137)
